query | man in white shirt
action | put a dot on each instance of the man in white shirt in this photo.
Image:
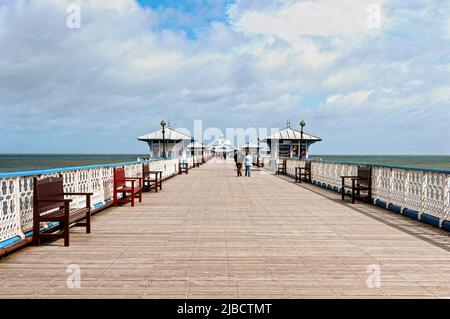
(248, 162)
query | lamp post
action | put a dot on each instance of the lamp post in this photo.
(163, 125)
(302, 125)
(258, 151)
(193, 150)
(203, 153)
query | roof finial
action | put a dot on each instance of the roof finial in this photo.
(288, 125)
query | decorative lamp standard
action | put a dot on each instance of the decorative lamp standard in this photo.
(163, 125)
(193, 150)
(302, 125)
(258, 151)
(203, 153)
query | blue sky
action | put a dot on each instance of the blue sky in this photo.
(190, 16)
(232, 64)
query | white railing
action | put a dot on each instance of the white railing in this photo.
(426, 191)
(16, 191)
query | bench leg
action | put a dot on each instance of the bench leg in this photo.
(36, 231)
(140, 195)
(343, 190)
(353, 191)
(88, 222)
(115, 198)
(66, 233)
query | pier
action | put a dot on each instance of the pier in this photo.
(210, 234)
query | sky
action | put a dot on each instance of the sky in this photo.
(367, 76)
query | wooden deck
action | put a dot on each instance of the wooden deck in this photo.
(212, 235)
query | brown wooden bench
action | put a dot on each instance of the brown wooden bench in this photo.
(259, 163)
(50, 205)
(121, 187)
(196, 163)
(360, 183)
(303, 173)
(152, 180)
(282, 168)
(183, 168)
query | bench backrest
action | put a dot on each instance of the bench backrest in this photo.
(308, 165)
(365, 173)
(119, 177)
(50, 188)
(145, 170)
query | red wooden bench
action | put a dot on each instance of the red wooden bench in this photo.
(120, 186)
(50, 205)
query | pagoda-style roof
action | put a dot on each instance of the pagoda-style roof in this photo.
(291, 134)
(170, 135)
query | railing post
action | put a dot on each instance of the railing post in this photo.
(17, 212)
(446, 211)
(424, 194)
(406, 189)
(391, 185)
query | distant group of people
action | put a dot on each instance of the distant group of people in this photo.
(242, 160)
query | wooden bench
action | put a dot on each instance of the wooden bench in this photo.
(282, 168)
(120, 186)
(152, 180)
(183, 168)
(195, 163)
(303, 173)
(360, 183)
(50, 205)
(259, 163)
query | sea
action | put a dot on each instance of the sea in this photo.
(31, 162)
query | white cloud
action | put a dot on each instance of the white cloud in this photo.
(352, 99)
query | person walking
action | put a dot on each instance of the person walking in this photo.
(248, 162)
(239, 161)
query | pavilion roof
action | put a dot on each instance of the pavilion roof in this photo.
(291, 134)
(170, 135)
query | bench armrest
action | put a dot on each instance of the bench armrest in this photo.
(349, 177)
(79, 194)
(134, 179)
(360, 179)
(65, 201)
